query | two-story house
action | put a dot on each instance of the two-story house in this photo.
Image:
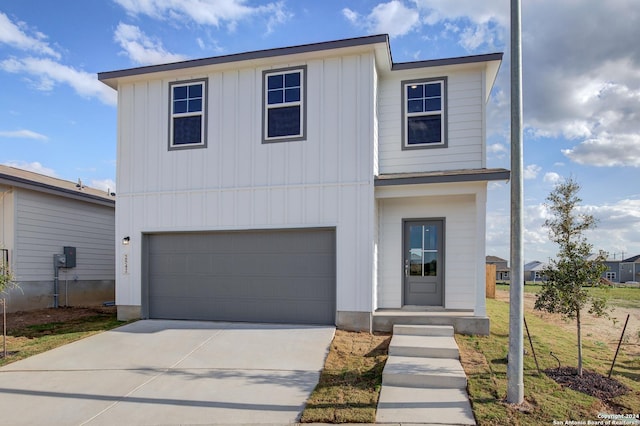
(313, 184)
(502, 268)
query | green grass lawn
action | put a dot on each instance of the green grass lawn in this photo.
(27, 341)
(484, 358)
(624, 297)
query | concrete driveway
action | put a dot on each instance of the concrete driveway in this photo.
(169, 372)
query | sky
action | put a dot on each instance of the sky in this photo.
(581, 86)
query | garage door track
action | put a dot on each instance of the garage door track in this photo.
(169, 372)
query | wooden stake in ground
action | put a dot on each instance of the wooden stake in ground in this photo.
(4, 328)
(619, 343)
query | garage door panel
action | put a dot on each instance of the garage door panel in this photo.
(262, 276)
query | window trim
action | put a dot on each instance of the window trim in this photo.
(303, 105)
(444, 115)
(203, 114)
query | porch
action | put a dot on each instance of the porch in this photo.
(462, 321)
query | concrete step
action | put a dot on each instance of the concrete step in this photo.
(418, 372)
(423, 330)
(425, 406)
(424, 346)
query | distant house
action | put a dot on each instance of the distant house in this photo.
(39, 216)
(630, 269)
(502, 268)
(621, 270)
(534, 271)
(613, 270)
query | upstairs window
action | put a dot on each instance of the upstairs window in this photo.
(424, 114)
(188, 114)
(284, 105)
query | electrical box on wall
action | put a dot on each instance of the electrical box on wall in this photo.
(70, 255)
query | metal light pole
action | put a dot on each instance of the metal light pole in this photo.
(515, 382)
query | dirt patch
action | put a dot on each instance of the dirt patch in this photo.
(350, 382)
(605, 330)
(591, 383)
(22, 319)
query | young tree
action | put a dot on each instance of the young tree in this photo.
(567, 276)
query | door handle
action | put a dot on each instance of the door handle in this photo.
(406, 267)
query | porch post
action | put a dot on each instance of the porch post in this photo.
(481, 230)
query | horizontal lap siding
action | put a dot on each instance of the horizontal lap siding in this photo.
(6, 219)
(45, 224)
(465, 126)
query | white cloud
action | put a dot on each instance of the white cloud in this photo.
(607, 151)
(393, 18)
(23, 134)
(584, 83)
(50, 73)
(14, 35)
(35, 167)
(277, 15)
(142, 49)
(552, 178)
(617, 228)
(104, 184)
(531, 171)
(207, 12)
(474, 37)
(352, 16)
(580, 82)
(496, 148)
(480, 12)
(476, 24)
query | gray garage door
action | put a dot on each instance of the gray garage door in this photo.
(283, 276)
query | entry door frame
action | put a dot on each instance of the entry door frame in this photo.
(441, 221)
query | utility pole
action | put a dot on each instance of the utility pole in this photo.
(515, 381)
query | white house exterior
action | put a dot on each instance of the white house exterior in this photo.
(310, 184)
(39, 216)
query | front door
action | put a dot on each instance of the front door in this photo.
(423, 262)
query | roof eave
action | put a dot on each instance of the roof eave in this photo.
(454, 176)
(18, 182)
(110, 78)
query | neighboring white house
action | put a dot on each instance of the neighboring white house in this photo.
(39, 216)
(320, 183)
(534, 271)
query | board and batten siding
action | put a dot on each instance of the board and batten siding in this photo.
(466, 123)
(44, 224)
(458, 205)
(237, 182)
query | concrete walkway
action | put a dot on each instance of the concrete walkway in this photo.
(169, 372)
(423, 381)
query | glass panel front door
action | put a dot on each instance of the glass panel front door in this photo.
(423, 257)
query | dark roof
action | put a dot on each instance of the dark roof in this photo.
(105, 77)
(633, 259)
(446, 176)
(12, 176)
(536, 265)
(247, 56)
(495, 259)
(448, 61)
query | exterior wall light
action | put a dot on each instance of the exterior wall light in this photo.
(125, 241)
